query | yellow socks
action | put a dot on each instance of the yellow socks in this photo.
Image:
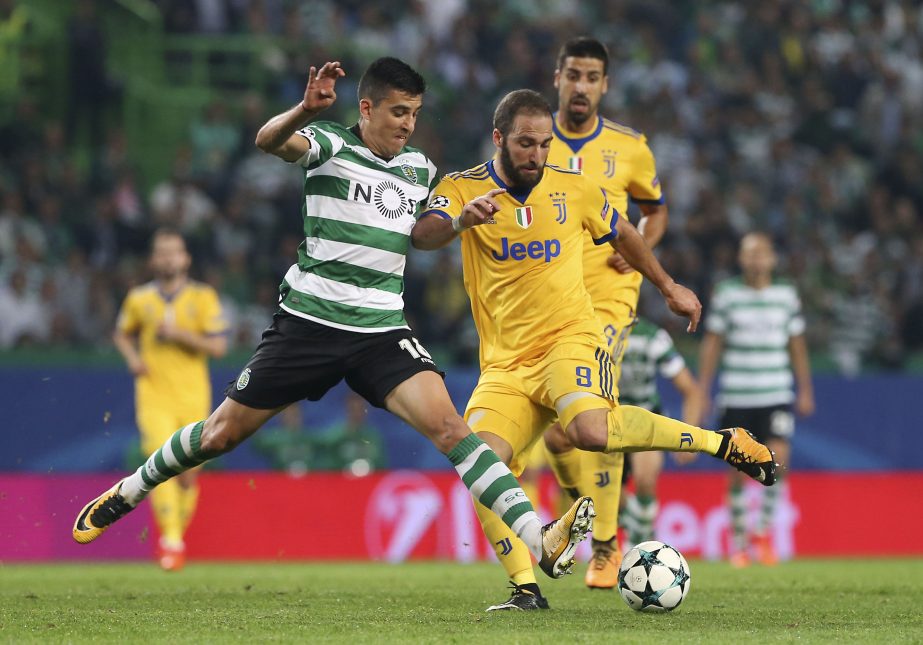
(166, 502)
(566, 467)
(601, 479)
(189, 499)
(511, 551)
(633, 429)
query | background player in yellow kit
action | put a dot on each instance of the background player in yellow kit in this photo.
(542, 353)
(618, 159)
(166, 331)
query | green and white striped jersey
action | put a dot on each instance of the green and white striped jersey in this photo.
(358, 211)
(649, 350)
(756, 325)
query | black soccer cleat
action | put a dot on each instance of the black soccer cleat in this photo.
(521, 599)
(741, 450)
(96, 516)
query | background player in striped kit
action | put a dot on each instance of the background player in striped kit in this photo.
(341, 314)
(650, 351)
(756, 327)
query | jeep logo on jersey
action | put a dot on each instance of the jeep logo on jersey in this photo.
(535, 250)
(524, 216)
(409, 172)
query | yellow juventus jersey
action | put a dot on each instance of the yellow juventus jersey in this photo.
(524, 273)
(618, 159)
(175, 373)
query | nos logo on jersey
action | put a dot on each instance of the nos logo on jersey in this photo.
(387, 197)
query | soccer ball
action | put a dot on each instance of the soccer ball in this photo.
(653, 577)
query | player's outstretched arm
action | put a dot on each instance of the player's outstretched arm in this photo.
(801, 366)
(277, 136)
(638, 254)
(127, 348)
(709, 352)
(434, 231)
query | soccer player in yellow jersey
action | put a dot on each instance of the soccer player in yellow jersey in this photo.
(618, 159)
(542, 353)
(166, 331)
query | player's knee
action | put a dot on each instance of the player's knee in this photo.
(557, 441)
(446, 430)
(218, 436)
(646, 486)
(588, 434)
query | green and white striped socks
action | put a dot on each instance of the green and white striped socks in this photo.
(488, 479)
(180, 453)
(493, 485)
(738, 499)
(638, 518)
(768, 507)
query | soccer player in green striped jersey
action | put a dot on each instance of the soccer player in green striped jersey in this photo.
(341, 311)
(756, 327)
(648, 353)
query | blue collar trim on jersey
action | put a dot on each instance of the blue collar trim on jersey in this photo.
(519, 196)
(575, 144)
(170, 297)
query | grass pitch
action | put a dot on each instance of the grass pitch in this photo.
(860, 601)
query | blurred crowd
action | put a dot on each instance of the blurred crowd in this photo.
(803, 119)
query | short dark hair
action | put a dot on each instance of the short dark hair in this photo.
(386, 74)
(584, 47)
(518, 102)
(167, 231)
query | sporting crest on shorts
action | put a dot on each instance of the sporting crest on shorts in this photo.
(244, 379)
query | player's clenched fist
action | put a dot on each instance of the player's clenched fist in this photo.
(683, 302)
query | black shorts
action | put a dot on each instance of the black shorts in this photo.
(773, 422)
(300, 359)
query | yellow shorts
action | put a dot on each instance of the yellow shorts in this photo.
(519, 404)
(157, 423)
(617, 318)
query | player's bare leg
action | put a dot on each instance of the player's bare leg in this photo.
(188, 448)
